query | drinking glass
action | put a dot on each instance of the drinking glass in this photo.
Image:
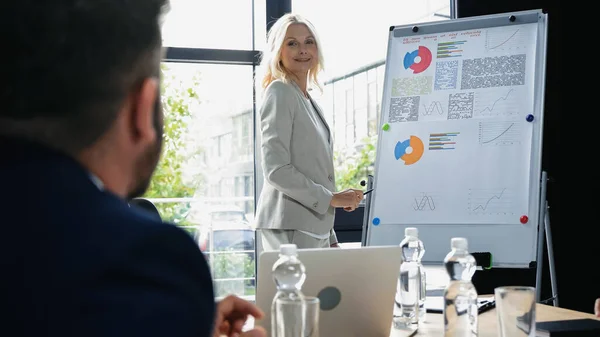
(295, 318)
(515, 309)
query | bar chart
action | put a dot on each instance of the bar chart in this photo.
(450, 49)
(443, 141)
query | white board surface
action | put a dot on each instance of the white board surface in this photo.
(459, 150)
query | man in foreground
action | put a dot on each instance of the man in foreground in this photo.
(80, 134)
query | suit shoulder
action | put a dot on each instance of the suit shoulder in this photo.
(155, 244)
(157, 270)
(142, 225)
(278, 87)
(126, 227)
(166, 241)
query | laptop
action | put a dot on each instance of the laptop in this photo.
(356, 287)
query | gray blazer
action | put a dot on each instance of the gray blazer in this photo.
(297, 162)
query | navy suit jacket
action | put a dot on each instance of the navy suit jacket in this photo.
(78, 261)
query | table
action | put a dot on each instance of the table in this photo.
(488, 326)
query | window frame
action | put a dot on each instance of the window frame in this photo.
(251, 58)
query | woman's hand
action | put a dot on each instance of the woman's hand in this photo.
(347, 199)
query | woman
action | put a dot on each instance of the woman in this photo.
(298, 200)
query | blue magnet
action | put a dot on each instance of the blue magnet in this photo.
(376, 221)
(529, 118)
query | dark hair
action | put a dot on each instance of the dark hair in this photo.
(146, 205)
(67, 65)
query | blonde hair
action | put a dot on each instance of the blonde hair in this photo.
(272, 68)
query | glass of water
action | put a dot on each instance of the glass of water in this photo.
(296, 318)
(515, 309)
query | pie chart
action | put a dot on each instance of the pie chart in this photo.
(410, 150)
(418, 60)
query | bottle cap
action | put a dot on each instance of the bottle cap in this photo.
(459, 243)
(288, 249)
(411, 231)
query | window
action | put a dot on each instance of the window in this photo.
(242, 136)
(244, 188)
(339, 112)
(215, 24)
(360, 106)
(360, 92)
(355, 67)
(326, 103)
(207, 167)
(380, 80)
(232, 215)
(357, 45)
(375, 78)
(231, 253)
(372, 111)
(227, 191)
(207, 120)
(350, 120)
(222, 147)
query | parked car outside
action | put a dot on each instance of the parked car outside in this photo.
(202, 215)
(226, 237)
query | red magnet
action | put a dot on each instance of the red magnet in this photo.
(524, 219)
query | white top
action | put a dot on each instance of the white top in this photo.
(316, 236)
(288, 249)
(325, 134)
(323, 129)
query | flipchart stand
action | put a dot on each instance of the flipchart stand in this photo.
(544, 236)
(365, 228)
(544, 228)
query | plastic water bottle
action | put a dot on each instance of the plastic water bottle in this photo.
(460, 296)
(423, 293)
(423, 287)
(410, 298)
(289, 275)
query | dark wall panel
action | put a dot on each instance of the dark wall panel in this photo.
(573, 291)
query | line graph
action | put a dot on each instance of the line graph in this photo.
(488, 103)
(424, 202)
(499, 133)
(494, 201)
(434, 107)
(505, 41)
(500, 40)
